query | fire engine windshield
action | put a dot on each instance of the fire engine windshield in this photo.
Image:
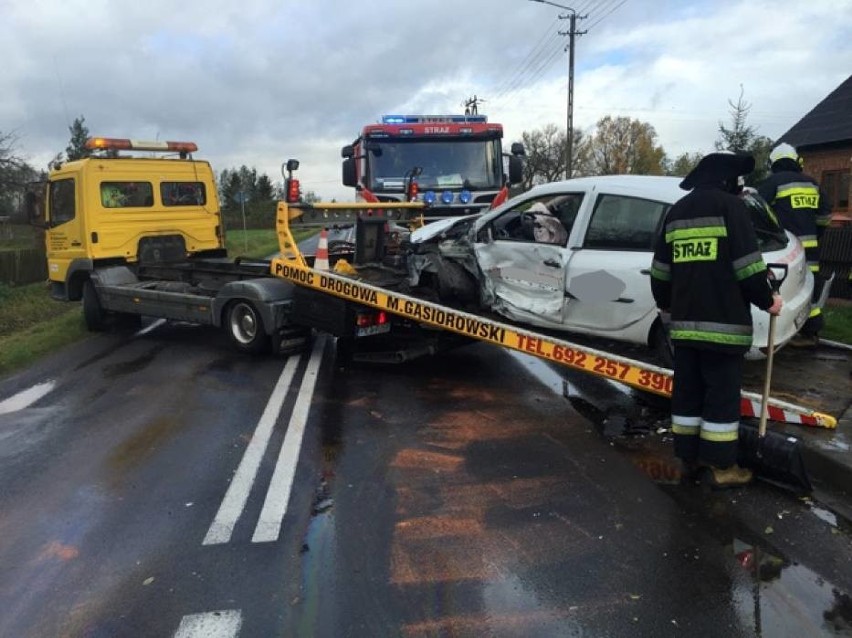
(471, 164)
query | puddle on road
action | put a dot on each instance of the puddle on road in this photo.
(318, 560)
(132, 452)
(779, 598)
(133, 365)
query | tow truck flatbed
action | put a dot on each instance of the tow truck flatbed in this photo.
(292, 266)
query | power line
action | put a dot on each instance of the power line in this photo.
(534, 52)
(522, 71)
(603, 17)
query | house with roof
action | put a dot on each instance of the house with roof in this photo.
(823, 138)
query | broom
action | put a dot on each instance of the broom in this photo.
(773, 456)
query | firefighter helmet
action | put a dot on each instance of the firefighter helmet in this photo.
(784, 151)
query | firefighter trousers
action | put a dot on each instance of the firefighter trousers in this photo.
(706, 405)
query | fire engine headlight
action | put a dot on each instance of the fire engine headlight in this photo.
(429, 198)
(465, 197)
(447, 197)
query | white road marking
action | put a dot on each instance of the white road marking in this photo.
(211, 624)
(26, 398)
(275, 506)
(150, 327)
(238, 491)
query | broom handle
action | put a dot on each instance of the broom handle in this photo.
(764, 404)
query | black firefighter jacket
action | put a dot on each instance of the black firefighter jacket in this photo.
(801, 207)
(707, 270)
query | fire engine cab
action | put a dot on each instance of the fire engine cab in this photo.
(452, 163)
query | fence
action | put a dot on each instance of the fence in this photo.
(836, 257)
(22, 266)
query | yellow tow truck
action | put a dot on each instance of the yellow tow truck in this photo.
(135, 230)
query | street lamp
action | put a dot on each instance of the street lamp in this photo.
(570, 123)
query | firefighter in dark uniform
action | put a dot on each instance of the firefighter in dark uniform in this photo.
(803, 209)
(706, 272)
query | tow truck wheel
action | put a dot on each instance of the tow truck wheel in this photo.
(245, 327)
(93, 312)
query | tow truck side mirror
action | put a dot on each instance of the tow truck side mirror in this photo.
(347, 151)
(516, 169)
(518, 149)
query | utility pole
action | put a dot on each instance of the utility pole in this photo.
(571, 33)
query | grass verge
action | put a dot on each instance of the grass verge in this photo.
(256, 243)
(32, 324)
(838, 322)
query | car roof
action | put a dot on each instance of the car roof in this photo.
(657, 187)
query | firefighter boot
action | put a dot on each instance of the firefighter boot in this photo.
(723, 478)
(690, 472)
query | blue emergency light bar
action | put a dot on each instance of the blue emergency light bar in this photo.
(428, 119)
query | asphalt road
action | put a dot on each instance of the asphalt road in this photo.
(162, 485)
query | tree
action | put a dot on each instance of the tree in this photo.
(229, 186)
(76, 148)
(259, 193)
(623, 145)
(15, 174)
(683, 164)
(310, 197)
(742, 138)
(264, 190)
(545, 155)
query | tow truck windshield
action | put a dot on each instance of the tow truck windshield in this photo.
(445, 164)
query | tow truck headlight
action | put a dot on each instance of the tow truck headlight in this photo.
(465, 197)
(447, 197)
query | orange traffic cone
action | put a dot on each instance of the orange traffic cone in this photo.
(321, 258)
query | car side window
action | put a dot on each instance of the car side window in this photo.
(62, 205)
(624, 223)
(770, 234)
(543, 220)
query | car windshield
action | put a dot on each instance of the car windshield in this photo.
(770, 235)
(443, 164)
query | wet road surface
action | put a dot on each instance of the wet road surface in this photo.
(455, 496)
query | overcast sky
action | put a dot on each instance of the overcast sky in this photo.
(256, 82)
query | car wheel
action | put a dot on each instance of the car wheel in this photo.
(93, 313)
(245, 328)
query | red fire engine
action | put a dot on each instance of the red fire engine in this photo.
(452, 163)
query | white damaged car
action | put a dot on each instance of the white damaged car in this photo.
(576, 255)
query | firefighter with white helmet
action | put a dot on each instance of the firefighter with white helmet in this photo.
(802, 208)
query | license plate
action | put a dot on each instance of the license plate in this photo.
(802, 317)
(368, 331)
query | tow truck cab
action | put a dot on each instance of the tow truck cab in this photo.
(117, 209)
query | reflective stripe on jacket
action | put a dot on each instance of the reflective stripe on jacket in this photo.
(801, 207)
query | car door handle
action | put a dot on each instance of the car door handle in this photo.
(552, 263)
(645, 271)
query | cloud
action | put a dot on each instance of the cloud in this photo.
(258, 82)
